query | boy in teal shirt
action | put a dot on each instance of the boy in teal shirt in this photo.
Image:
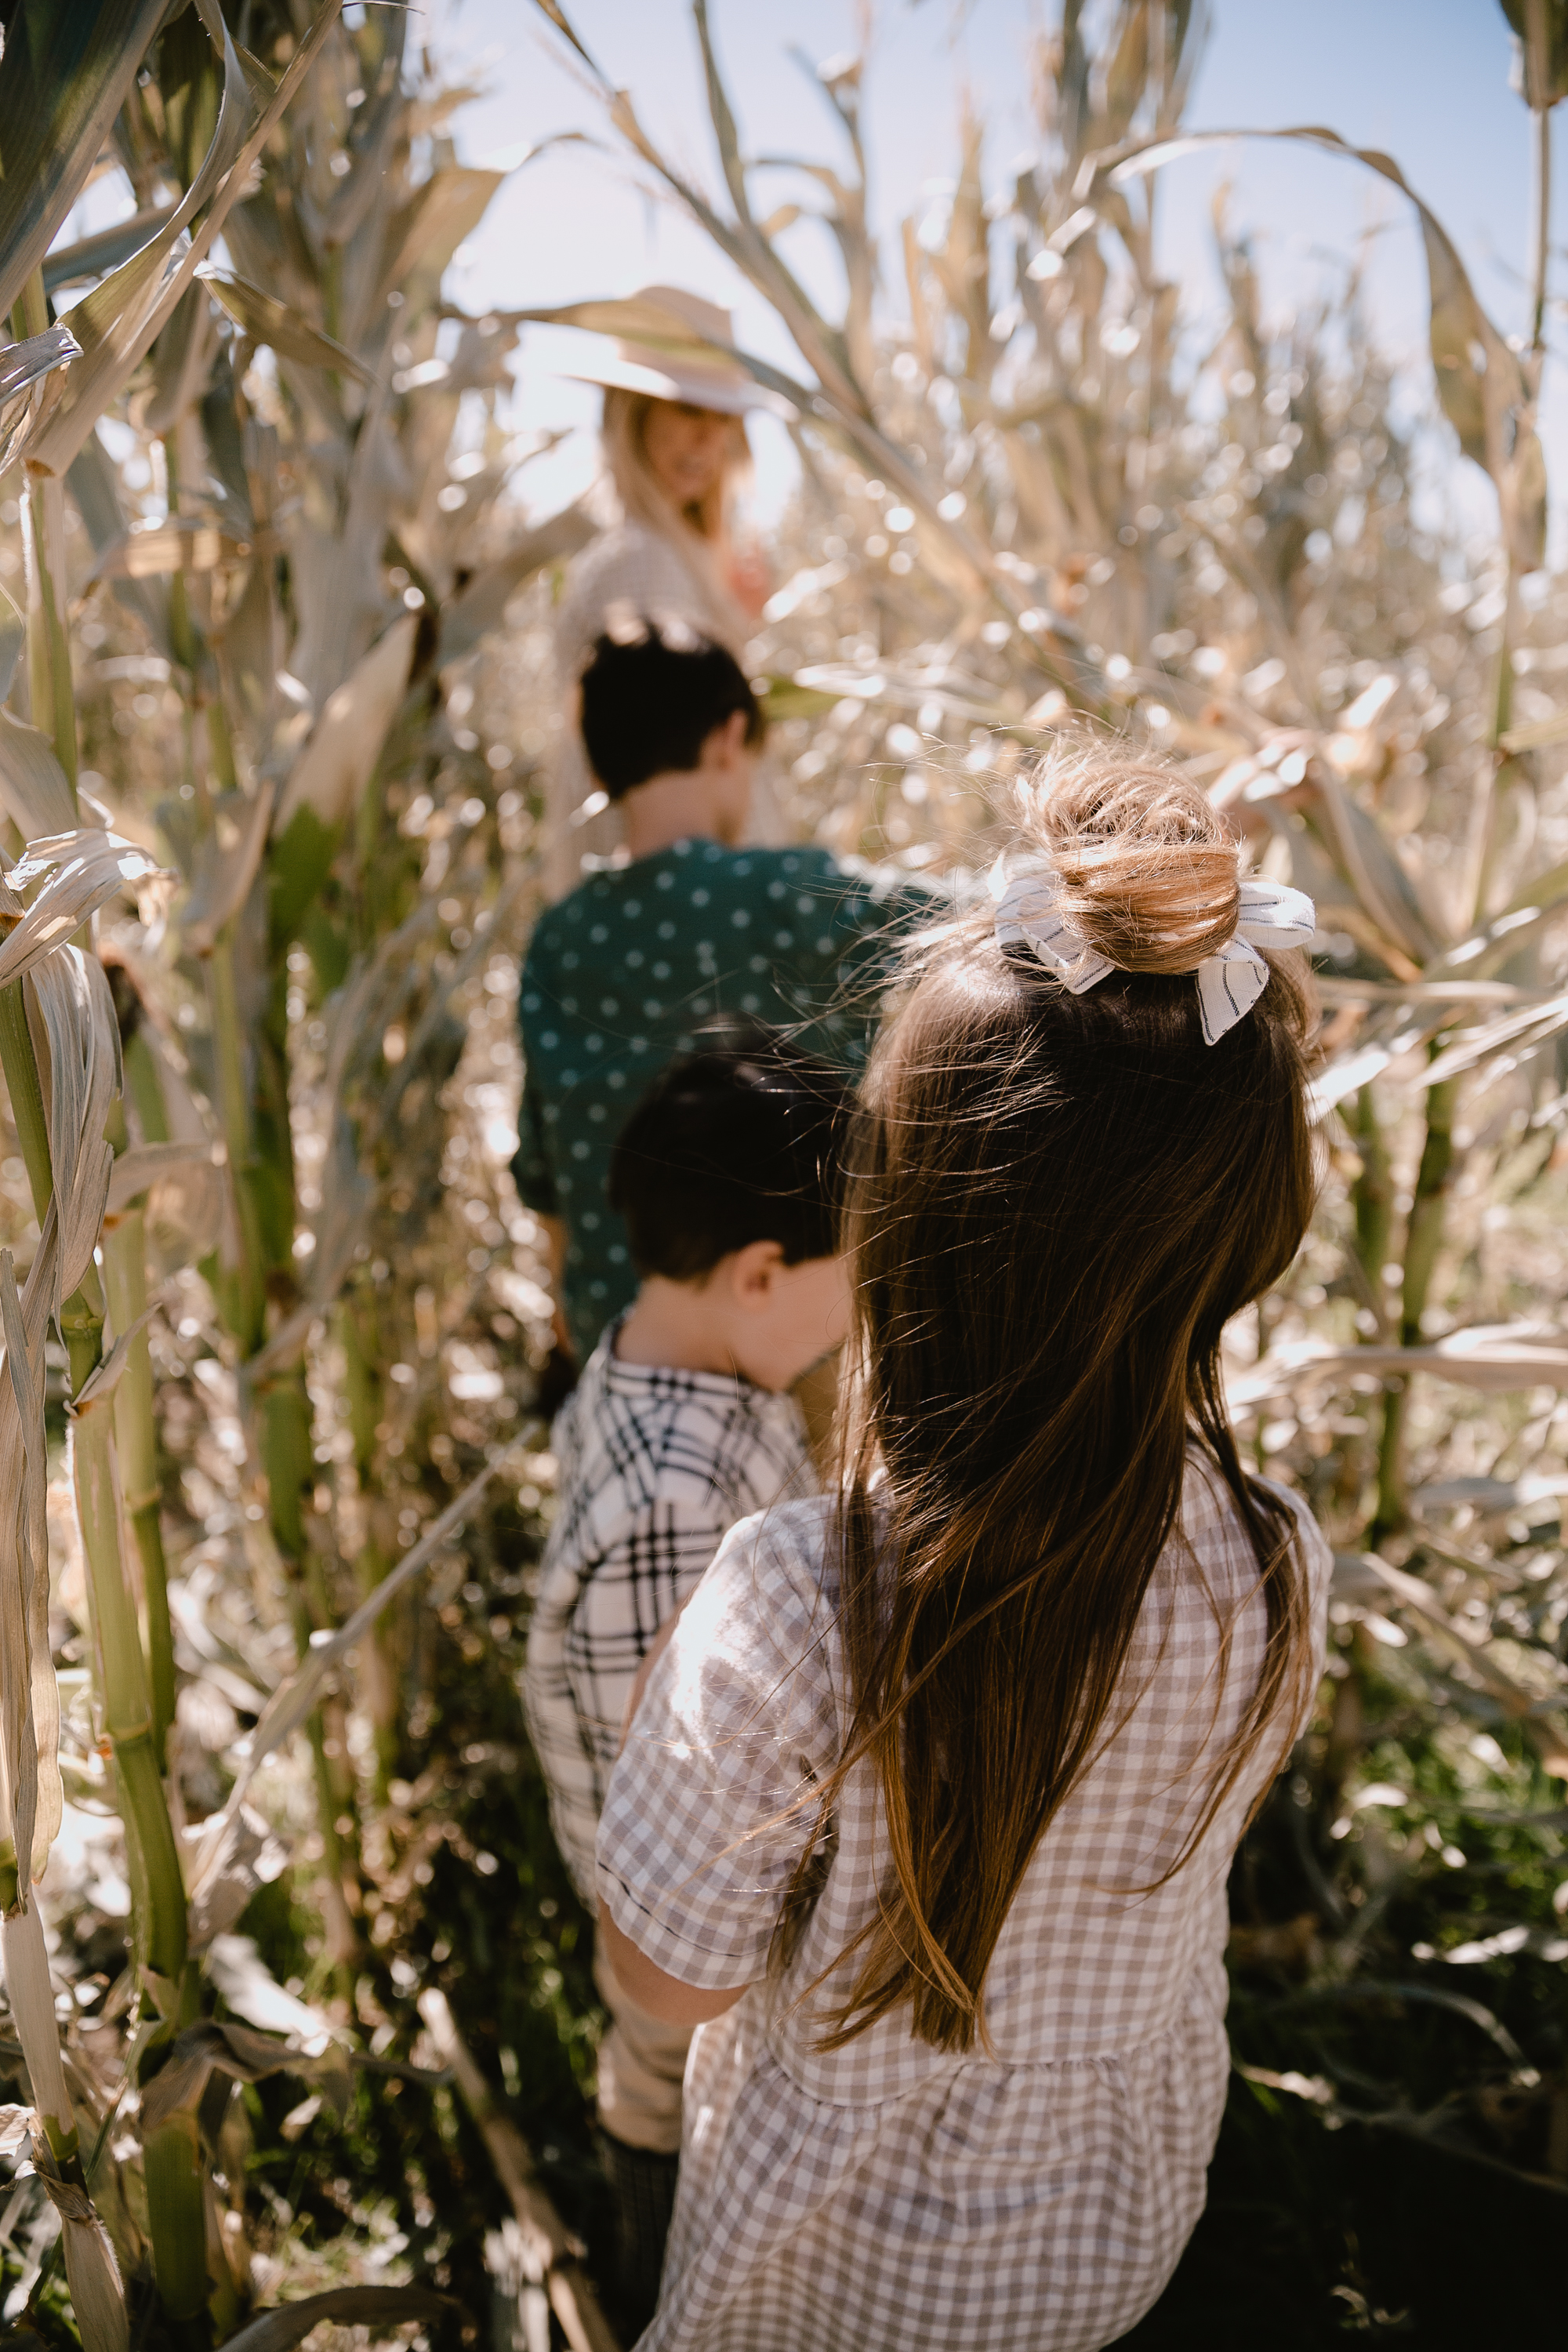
(622, 974)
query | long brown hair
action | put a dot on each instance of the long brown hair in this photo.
(1055, 1203)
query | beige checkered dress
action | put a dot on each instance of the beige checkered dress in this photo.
(891, 2195)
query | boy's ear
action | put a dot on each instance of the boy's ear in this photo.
(724, 746)
(753, 1275)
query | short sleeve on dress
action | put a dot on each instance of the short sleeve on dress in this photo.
(712, 1803)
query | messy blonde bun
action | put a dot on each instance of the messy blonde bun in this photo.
(1149, 870)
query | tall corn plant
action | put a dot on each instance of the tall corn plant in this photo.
(191, 130)
(1018, 513)
(324, 574)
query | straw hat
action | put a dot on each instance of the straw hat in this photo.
(664, 340)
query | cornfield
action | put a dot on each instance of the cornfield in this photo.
(299, 2025)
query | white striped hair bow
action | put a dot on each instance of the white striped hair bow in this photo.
(1230, 981)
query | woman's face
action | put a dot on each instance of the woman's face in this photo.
(686, 449)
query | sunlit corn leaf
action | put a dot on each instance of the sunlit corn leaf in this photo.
(1514, 1035)
(481, 605)
(83, 870)
(267, 321)
(35, 789)
(339, 758)
(1381, 883)
(191, 546)
(136, 1169)
(119, 319)
(66, 76)
(251, 1990)
(77, 1039)
(352, 2307)
(22, 368)
(92, 257)
(95, 492)
(1461, 1640)
(1495, 1356)
(1539, 735)
(425, 235)
(252, 1856)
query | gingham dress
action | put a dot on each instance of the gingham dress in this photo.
(889, 2196)
(656, 1465)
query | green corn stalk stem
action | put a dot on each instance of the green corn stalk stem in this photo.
(28, 1116)
(49, 691)
(1422, 1239)
(363, 1397)
(1373, 1195)
(249, 1285)
(136, 1438)
(173, 2169)
(127, 1702)
(176, 2222)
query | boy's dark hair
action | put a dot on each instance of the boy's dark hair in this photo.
(653, 692)
(738, 1142)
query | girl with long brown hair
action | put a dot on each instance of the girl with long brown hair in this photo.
(929, 1808)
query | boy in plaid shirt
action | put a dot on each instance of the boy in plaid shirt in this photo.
(726, 1176)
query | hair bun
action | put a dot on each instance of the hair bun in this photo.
(1149, 870)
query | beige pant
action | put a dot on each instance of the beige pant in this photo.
(642, 2065)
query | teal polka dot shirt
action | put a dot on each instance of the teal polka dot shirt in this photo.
(621, 975)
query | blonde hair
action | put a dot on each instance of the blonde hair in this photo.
(700, 532)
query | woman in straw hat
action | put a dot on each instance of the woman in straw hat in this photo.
(675, 446)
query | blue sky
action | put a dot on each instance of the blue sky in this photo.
(1428, 81)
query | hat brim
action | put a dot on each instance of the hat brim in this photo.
(729, 395)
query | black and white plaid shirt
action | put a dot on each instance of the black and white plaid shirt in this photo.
(656, 1466)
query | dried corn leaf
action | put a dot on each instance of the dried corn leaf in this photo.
(136, 1169)
(85, 868)
(58, 97)
(77, 1038)
(169, 547)
(267, 321)
(35, 789)
(245, 2056)
(1516, 1035)
(119, 319)
(339, 758)
(1493, 1356)
(93, 256)
(432, 225)
(481, 606)
(227, 861)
